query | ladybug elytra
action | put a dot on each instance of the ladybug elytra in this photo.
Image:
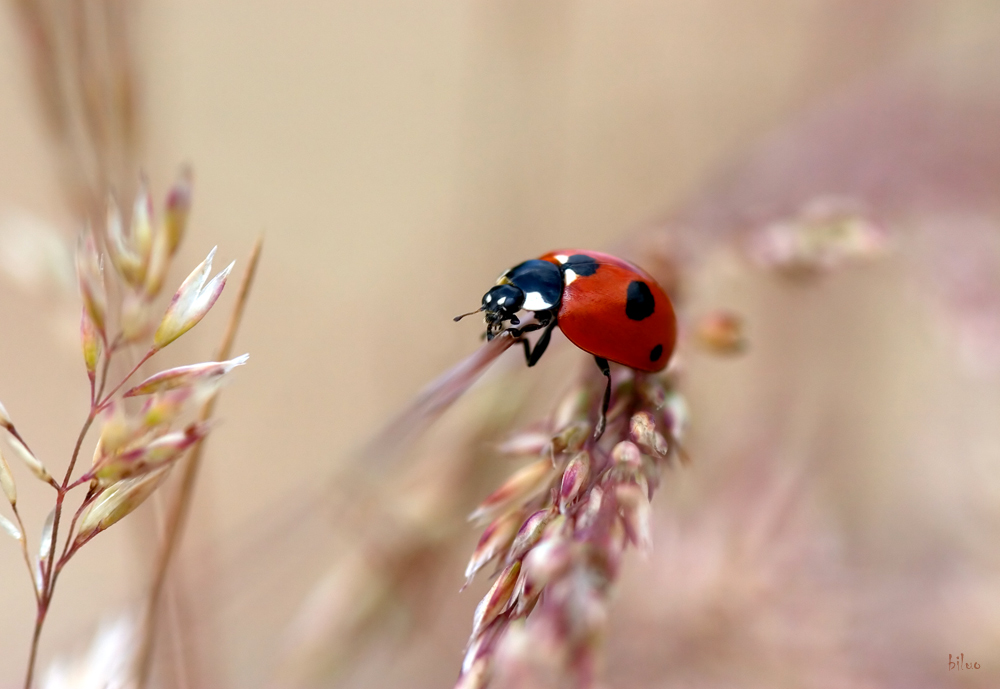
(604, 305)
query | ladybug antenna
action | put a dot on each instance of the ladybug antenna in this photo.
(458, 318)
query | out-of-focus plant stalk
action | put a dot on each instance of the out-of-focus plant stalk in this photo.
(84, 74)
(181, 505)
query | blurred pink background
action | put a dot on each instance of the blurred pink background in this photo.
(837, 527)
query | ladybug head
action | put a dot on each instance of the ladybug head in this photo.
(501, 304)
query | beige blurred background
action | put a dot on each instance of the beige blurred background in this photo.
(397, 156)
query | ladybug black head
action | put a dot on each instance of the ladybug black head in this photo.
(501, 304)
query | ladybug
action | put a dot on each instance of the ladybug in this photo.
(606, 306)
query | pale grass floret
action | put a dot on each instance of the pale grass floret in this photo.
(126, 257)
(205, 374)
(163, 408)
(192, 301)
(167, 239)
(5, 421)
(130, 252)
(11, 528)
(90, 273)
(21, 451)
(116, 502)
(7, 482)
(90, 341)
(45, 551)
(147, 457)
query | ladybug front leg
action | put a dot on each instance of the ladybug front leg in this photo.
(602, 363)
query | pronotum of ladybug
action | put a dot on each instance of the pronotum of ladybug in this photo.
(604, 305)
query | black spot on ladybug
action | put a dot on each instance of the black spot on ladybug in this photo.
(640, 303)
(656, 353)
(581, 264)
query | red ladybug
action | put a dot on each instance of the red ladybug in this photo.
(604, 305)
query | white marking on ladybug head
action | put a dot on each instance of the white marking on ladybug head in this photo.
(501, 300)
(562, 258)
(533, 302)
(489, 297)
(569, 276)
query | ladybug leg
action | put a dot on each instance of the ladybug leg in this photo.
(602, 364)
(535, 354)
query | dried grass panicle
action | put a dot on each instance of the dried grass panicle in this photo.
(558, 528)
(139, 443)
(826, 233)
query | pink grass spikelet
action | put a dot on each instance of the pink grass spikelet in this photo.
(530, 533)
(495, 539)
(574, 480)
(642, 431)
(526, 483)
(497, 599)
(548, 560)
(633, 501)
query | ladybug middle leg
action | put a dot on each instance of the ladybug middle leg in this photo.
(531, 356)
(602, 363)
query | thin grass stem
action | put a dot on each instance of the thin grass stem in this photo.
(182, 503)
